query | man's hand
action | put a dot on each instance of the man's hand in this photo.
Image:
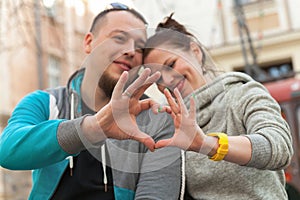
(118, 118)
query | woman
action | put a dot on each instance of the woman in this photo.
(236, 140)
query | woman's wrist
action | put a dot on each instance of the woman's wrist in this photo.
(222, 146)
(209, 146)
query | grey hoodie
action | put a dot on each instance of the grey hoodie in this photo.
(237, 105)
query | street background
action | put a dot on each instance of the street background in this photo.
(41, 46)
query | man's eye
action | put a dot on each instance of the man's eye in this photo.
(139, 49)
(119, 38)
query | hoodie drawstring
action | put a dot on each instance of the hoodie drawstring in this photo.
(182, 175)
(71, 165)
(103, 157)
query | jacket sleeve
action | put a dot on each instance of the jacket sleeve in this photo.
(268, 132)
(29, 140)
(161, 171)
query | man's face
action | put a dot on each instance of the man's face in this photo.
(123, 36)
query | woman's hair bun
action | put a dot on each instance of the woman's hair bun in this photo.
(171, 24)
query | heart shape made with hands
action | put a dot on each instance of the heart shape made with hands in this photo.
(118, 118)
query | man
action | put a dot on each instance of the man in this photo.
(91, 119)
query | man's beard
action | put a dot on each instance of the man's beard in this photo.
(107, 83)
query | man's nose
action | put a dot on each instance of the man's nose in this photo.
(130, 48)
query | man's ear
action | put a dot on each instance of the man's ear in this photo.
(88, 42)
(197, 51)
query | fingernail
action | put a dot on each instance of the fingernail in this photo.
(159, 109)
(193, 95)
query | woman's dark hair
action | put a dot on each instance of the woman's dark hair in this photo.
(172, 24)
(169, 32)
(172, 33)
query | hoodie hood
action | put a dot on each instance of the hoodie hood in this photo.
(210, 98)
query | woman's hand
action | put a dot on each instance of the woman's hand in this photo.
(188, 135)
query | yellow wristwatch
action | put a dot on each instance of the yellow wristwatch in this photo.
(223, 146)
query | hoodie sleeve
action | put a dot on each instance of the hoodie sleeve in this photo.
(268, 132)
(29, 141)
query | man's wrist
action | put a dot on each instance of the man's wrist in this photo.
(68, 137)
(91, 130)
(78, 134)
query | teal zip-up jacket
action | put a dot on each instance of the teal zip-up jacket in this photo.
(29, 142)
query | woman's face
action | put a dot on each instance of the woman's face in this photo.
(179, 68)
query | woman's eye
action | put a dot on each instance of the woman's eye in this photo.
(171, 66)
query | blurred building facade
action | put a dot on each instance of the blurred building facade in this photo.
(41, 45)
(274, 27)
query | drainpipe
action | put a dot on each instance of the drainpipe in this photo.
(288, 15)
(38, 43)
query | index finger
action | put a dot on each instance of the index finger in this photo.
(118, 90)
(181, 105)
(149, 81)
(139, 81)
(171, 101)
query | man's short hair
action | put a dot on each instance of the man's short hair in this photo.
(112, 8)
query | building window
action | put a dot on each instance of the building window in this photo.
(275, 71)
(54, 71)
(280, 71)
(245, 2)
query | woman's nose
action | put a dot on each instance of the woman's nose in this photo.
(167, 79)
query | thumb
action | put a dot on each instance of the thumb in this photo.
(163, 143)
(145, 139)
